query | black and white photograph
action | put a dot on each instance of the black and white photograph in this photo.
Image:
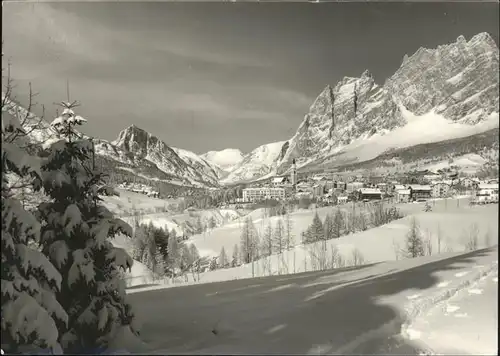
(250, 177)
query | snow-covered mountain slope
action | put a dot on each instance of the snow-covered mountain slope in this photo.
(458, 80)
(226, 159)
(355, 108)
(135, 151)
(174, 161)
(435, 95)
(40, 131)
(258, 163)
(206, 167)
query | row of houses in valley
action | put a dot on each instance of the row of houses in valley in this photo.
(336, 191)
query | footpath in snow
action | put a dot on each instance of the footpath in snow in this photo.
(466, 323)
(361, 310)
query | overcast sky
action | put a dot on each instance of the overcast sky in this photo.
(208, 76)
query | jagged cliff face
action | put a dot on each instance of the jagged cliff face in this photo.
(459, 80)
(177, 162)
(355, 108)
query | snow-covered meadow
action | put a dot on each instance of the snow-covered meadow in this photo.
(448, 227)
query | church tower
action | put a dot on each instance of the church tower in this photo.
(293, 174)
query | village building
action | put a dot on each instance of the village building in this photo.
(263, 193)
(441, 189)
(317, 190)
(402, 195)
(370, 194)
(280, 181)
(420, 192)
(469, 183)
(340, 185)
(397, 187)
(342, 199)
(354, 186)
(431, 177)
(487, 193)
(329, 185)
(384, 187)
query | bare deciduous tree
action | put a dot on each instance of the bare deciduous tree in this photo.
(357, 258)
(439, 238)
(472, 238)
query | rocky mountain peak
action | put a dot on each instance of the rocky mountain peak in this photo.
(133, 139)
(355, 107)
(457, 80)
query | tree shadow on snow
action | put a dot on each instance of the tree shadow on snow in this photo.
(314, 312)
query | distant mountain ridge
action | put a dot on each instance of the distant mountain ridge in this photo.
(436, 95)
(456, 82)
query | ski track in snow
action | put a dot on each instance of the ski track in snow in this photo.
(452, 308)
(443, 284)
(461, 274)
(476, 291)
(413, 334)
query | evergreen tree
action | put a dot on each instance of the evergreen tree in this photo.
(223, 262)
(329, 227)
(174, 254)
(194, 255)
(185, 259)
(235, 261)
(307, 237)
(246, 241)
(75, 235)
(255, 245)
(414, 243)
(338, 224)
(278, 238)
(199, 225)
(30, 311)
(289, 238)
(213, 264)
(317, 231)
(212, 223)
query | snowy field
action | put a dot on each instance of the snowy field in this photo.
(466, 323)
(468, 163)
(325, 312)
(129, 202)
(454, 218)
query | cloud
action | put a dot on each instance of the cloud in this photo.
(60, 34)
(64, 33)
(196, 53)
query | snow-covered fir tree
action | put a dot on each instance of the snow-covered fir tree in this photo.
(223, 262)
(75, 235)
(235, 258)
(317, 230)
(279, 237)
(30, 311)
